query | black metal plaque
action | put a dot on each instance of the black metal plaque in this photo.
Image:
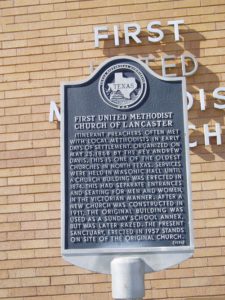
(125, 170)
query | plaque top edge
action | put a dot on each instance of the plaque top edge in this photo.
(119, 59)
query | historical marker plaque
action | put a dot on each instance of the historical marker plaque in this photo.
(125, 169)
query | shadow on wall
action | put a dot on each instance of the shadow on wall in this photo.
(190, 43)
(204, 78)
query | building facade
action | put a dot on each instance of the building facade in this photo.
(46, 42)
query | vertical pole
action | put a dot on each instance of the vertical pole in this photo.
(127, 278)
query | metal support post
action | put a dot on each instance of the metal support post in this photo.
(127, 278)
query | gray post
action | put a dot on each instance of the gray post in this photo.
(127, 278)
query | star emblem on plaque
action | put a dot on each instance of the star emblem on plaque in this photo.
(122, 86)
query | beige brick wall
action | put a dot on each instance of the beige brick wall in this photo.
(44, 42)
